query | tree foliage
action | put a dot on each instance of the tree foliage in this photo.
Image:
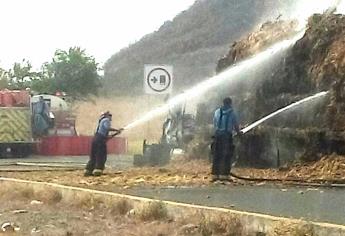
(73, 72)
(3, 79)
(21, 75)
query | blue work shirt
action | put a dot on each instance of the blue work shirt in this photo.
(41, 107)
(228, 116)
(103, 127)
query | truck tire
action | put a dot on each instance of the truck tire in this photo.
(138, 160)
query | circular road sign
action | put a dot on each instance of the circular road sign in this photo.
(158, 79)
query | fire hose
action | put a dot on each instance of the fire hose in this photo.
(41, 167)
(258, 122)
(296, 181)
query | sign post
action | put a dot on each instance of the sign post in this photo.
(158, 79)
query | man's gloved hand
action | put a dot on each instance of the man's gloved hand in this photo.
(116, 132)
(120, 130)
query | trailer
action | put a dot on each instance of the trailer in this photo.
(15, 132)
(23, 126)
(21, 132)
(16, 138)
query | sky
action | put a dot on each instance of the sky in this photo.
(305, 8)
(34, 29)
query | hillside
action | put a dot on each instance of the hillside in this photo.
(192, 42)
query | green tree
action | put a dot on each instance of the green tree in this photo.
(21, 75)
(44, 82)
(73, 72)
(3, 78)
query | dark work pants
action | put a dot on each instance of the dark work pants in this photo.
(222, 154)
(98, 154)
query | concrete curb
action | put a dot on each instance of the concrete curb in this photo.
(253, 223)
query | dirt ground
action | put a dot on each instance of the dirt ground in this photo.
(177, 173)
(54, 217)
(329, 169)
(183, 172)
(47, 212)
(29, 211)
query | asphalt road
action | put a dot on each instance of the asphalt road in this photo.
(323, 204)
(115, 161)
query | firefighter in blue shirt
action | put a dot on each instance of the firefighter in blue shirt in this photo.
(225, 122)
(98, 155)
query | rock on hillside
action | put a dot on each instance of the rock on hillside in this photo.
(270, 32)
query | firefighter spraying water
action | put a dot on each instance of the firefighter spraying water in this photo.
(172, 129)
(160, 153)
(98, 153)
(225, 122)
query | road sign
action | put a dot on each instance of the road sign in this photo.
(158, 79)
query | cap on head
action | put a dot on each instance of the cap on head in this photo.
(227, 101)
(105, 114)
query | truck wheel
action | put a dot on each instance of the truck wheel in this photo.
(138, 160)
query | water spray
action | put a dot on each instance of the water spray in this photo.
(270, 116)
(304, 9)
(308, 99)
(226, 76)
(231, 74)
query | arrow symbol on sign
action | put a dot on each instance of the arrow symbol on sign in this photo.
(154, 80)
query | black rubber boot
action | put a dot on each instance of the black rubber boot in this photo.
(97, 172)
(214, 178)
(87, 173)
